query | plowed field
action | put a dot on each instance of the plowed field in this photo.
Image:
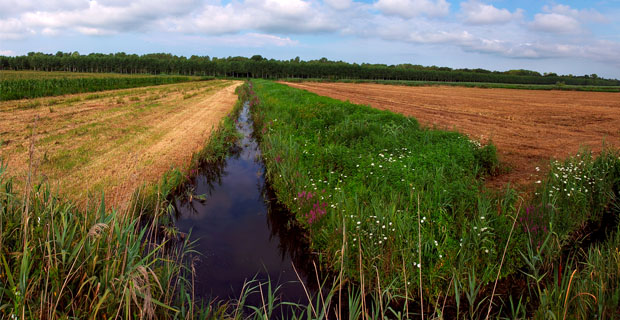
(528, 127)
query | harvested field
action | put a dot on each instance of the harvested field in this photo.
(528, 127)
(112, 141)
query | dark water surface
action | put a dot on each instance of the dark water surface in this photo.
(242, 232)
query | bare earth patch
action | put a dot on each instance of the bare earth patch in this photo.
(113, 141)
(528, 127)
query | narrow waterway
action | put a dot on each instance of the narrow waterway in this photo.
(241, 231)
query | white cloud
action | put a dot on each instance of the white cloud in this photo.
(256, 40)
(273, 16)
(440, 37)
(339, 4)
(587, 15)
(13, 29)
(555, 31)
(556, 23)
(412, 8)
(106, 17)
(564, 19)
(478, 13)
(11, 8)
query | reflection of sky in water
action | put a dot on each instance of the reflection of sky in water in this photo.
(233, 230)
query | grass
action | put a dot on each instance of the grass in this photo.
(572, 239)
(18, 85)
(558, 86)
(58, 261)
(402, 212)
(340, 166)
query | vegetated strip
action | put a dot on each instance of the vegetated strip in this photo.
(556, 86)
(34, 88)
(61, 261)
(260, 67)
(345, 169)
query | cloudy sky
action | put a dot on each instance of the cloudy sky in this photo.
(567, 37)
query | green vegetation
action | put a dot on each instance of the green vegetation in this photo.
(62, 262)
(378, 179)
(259, 67)
(12, 89)
(366, 183)
(397, 211)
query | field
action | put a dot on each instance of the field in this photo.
(112, 141)
(486, 85)
(402, 210)
(32, 84)
(409, 208)
(65, 254)
(38, 75)
(528, 127)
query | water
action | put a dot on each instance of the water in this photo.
(242, 232)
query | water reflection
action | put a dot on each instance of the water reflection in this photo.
(241, 230)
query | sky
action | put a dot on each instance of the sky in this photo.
(565, 37)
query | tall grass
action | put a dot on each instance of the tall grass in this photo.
(58, 261)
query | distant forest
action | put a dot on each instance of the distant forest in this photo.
(259, 67)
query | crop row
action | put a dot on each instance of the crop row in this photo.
(34, 88)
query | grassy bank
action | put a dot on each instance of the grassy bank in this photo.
(558, 86)
(401, 211)
(15, 85)
(376, 180)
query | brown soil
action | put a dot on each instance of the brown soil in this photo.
(528, 127)
(122, 140)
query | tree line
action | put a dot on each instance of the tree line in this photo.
(259, 67)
